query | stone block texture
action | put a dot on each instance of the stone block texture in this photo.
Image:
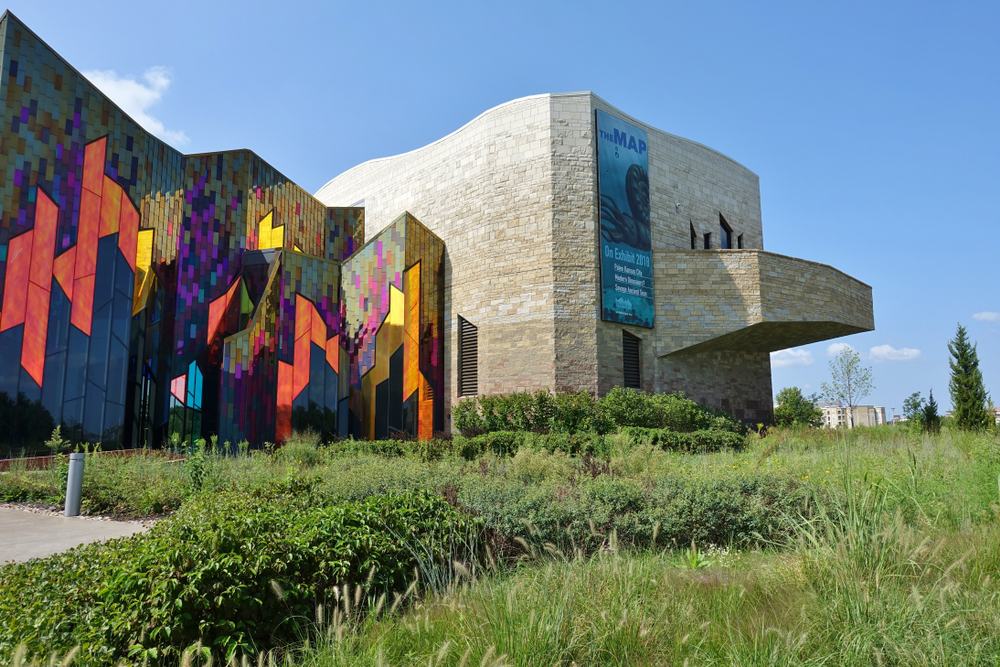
(514, 196)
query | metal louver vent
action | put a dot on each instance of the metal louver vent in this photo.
(468, 358)
(631, 360)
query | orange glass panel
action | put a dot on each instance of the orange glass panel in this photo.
(111, 207)
(367, 407)
(283, 421)
(178, 386)
(15, 293)
(333, 353)
(318, 328)
(301, 361)
(411, 324)
(63, 268)
(425, 429)
(44, 245)
(303, 316)
(82, 314)
(86, 237)
(93, 165)
(380, 371)
(216, 309)
(128, 231)
(36, 328)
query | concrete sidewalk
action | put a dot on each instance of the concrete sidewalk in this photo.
(26, 535)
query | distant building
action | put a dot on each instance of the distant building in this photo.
(835, 415)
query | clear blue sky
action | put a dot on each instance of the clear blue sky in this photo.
(873, 125)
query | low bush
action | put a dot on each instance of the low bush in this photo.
(700, 442)
(425, 450)
(628, 407)
(544, 412)
(235, 573)
(742, 510)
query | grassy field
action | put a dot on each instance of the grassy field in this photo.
(877, 546)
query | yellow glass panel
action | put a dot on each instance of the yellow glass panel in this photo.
(396, 309)
(268, 236)
(144, 250)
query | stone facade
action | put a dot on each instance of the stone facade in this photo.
(514, 196)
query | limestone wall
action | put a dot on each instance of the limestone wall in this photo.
(514, 196)
(711, 298)
(486, 190)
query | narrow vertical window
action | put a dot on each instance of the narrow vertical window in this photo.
(468, 358)
(631, 361)
(739, 242)
(725, 234)
(708, 240)
(694, 237)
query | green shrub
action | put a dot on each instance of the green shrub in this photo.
(500, 443)
(238, 574)
(628, 407)
(744, 510)
(538, 412)
(302, 448)
(589, 443)
(572, 413)
(703, 441)
(425, 450)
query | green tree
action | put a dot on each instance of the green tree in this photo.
(931, 419)
(913, 409)
(794, 408)
(968, 394)
(850, 381)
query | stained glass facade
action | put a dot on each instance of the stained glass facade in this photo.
(145, 293)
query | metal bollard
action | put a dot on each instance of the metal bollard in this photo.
(74, 485)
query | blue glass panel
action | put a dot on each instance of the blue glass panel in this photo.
(76, 364)
(317, 375)
(121, 321)
(10, 354)
(194, 386)
(59, 312)
(29, 387)
(331, 388)
(124, 276)
(117, 372)
(100, 337)
(104, 282)
(72, 413)
(52, 384)
(93, 413)
(114, 417)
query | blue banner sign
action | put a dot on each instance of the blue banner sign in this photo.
(626, 246)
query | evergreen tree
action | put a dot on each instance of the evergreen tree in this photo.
(968, 394)
(931, 419)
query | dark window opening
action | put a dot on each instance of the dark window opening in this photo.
(468, 358)
(631, 361)
(694, 237)
(725, 234)
(739, 241)
(708, 240)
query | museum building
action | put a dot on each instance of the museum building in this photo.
(529, 202)
(553, 242)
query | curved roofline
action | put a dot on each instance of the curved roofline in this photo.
(636, 121)
(517, 100)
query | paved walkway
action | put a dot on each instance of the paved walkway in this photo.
(26, 535)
